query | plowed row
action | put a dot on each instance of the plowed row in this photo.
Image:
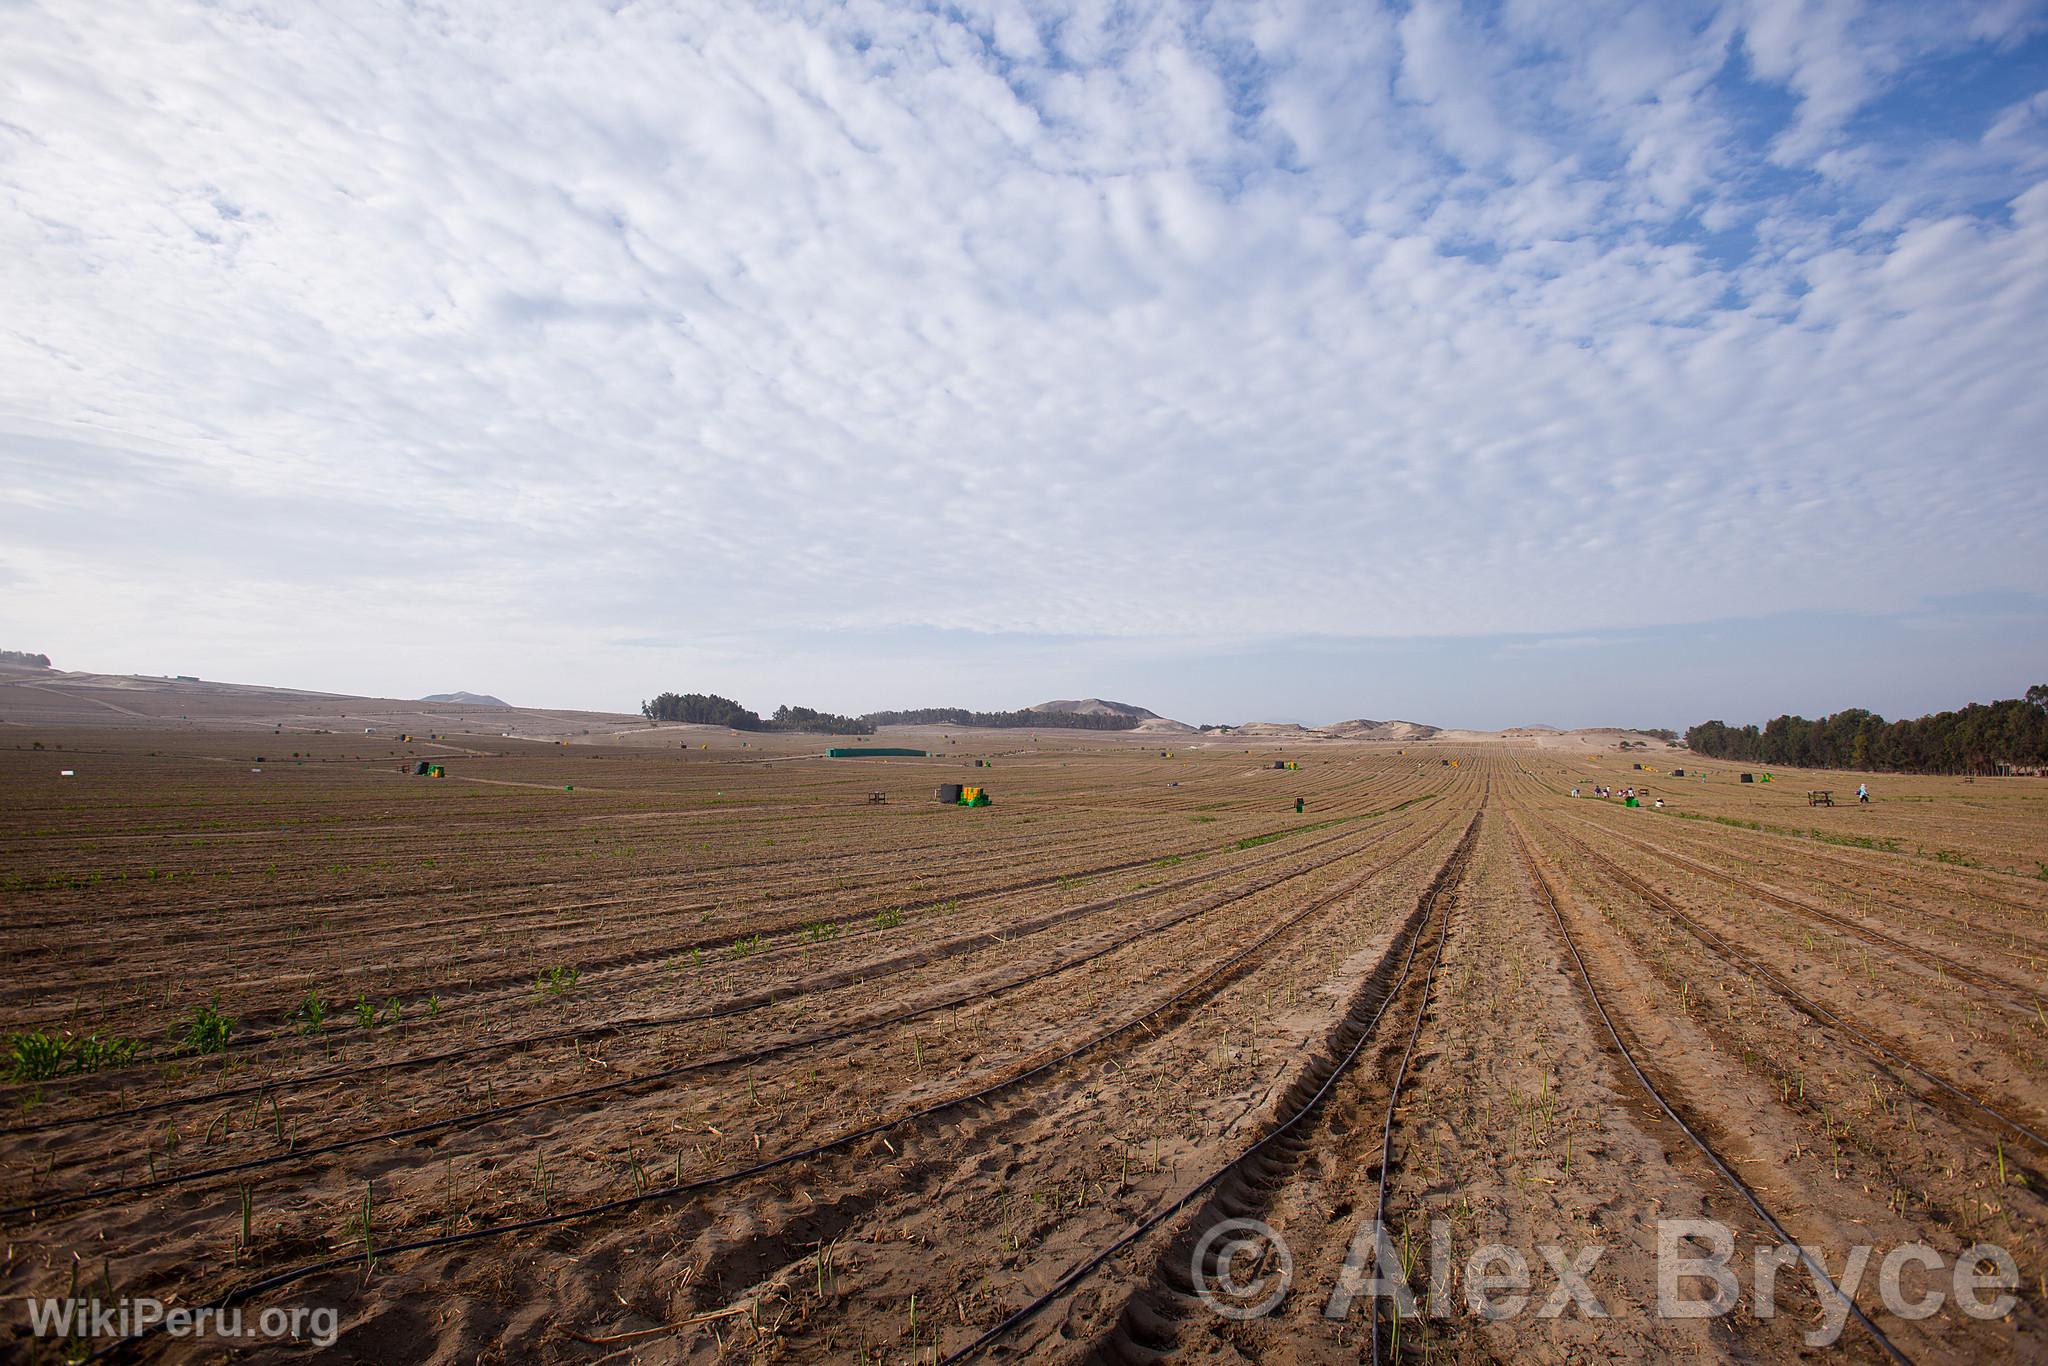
(699, 1054)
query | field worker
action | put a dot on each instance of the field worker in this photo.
(1863, 793)
(1575, 792)
(1659, 803)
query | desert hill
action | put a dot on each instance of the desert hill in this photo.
(473, 699)
(1378, 730)
(1096, 706)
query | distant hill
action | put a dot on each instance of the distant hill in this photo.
(1095, 706)
(1379, 730)
(1143, 722)
(1275, 730)
(474, 699)
(1085, 713)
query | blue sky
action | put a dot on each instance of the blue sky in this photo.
(1478, 364)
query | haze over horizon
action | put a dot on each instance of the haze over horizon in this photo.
(1543, 362)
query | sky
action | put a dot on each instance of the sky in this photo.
(1540, 361)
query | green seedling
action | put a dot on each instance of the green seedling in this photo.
(92, 1053)
(35, 1056)
(208, 1029)
(889, 919)
(311, 1014)
(556, 980)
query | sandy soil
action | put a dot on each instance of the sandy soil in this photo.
(675, 1046)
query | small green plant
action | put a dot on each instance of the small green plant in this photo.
(92, 1053)
(556, 980)
(819, 931)
(208, 1029)
(311, 1013)
(367, 1221)
(366, 1014)
(747, 947)
(889, 919)
(35, 1056)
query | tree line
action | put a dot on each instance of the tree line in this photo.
(1973, 740)
(1001, 720)
(709, 709)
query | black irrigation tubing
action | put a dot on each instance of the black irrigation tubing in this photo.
(617, 1028)
(1365, 788)
(1813, 1263)
(1963, 972)
(474, 1118)
(1394, 1098)
(705, 877)
(629, 964)
(1840, 857)
(1829, 854)
(1809, 1007)
(691, 882)
(282, 1278)
(1308, 1107)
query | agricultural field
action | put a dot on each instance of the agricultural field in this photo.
(681, 1046)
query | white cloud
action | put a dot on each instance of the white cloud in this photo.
(709, 322)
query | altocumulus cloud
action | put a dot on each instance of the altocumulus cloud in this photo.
(585, 323)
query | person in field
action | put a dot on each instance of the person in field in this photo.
(1863, 793)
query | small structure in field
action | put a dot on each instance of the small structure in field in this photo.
(871, 752)
(949, 794)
